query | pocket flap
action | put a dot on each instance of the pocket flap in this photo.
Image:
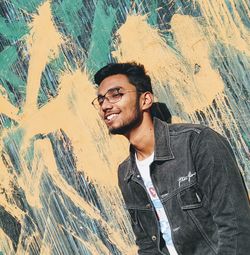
(190, 198)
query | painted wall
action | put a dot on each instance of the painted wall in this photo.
(58, 188)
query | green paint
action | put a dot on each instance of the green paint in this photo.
(99, 50)
(12, 31)
(12, 145)
(7, 58)
(6, 123)
(152, 19)
(27, 5)
(49, 86)
(58, 64)
(67, 12)
(149, 8)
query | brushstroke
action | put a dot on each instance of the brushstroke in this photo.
(74, 85)
(41, 49)
(58, 183)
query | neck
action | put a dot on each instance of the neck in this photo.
(142, 138)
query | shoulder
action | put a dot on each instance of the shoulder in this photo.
(197, 135)
(175, 129)
(197, 131)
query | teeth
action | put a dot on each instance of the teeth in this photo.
(110, 117)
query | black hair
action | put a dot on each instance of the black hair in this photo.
(135, 73)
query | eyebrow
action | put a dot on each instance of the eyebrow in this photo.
(100, 95)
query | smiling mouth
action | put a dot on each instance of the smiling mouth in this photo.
(111, 117)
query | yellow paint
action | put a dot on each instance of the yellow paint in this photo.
(188, 74)
(194, 45)
(46, 153)
(177, 119)
(221, 26)
(72, 112)
(192, 90)
(46, 249)
(43, 45)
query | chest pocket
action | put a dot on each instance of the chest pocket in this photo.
(190, 197)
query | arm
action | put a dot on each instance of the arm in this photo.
(223, 187)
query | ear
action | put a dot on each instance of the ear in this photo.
(147, 100)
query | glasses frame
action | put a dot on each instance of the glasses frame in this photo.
(98, 106)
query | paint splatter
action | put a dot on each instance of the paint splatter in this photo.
(58, 183)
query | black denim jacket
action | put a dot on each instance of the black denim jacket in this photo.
(198, 181)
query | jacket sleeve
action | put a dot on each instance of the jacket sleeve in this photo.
(145, 245)
(223, 187)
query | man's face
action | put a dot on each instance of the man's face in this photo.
(122, 116)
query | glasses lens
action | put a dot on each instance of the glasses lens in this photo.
(114, 95)
(96, 103)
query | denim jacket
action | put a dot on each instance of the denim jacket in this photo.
(200, 186)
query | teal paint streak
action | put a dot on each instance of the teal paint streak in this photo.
(149, 8)
(49, 80)
(99, 50)
(243, 11)
(6, 123)
(29, 6)
(14, 30)
(7, 58)
(12, 144)
(67, 12)
(152, 19)
(233, 70)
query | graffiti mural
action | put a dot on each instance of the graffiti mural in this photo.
(58, 187)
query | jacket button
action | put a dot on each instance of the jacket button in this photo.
(148, 206)
(153, 238)
(138, 176)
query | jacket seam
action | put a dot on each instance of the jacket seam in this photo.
(177, 191)
(196, 222)
(196, 130)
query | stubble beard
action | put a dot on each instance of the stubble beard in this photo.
(127, 127)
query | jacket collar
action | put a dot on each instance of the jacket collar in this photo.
(162, 149)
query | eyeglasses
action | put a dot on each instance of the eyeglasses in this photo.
(112, 95)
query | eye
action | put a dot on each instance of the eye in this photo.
(116, 94)
(100, 100)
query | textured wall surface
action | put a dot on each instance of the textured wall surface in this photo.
(58, 188)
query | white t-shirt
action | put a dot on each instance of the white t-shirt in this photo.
(143, 166)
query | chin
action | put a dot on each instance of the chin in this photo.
(123, 130)
(116, 131)
(126, 127)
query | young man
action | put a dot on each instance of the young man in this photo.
(181, 184)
